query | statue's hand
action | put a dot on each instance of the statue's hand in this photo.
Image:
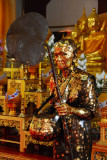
(63, 109)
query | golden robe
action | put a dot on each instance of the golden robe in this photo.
(95, 46)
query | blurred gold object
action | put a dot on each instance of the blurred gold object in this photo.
(75, 36)
(95, 46)
(82, 24)
(11, 69)
(22, 114)
(21, 71)
(26, 72)
(3, 82)
(103, 18)
(79, 32)
(94, 22)
(93, 42)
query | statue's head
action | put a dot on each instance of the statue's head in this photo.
(65, 53)
(83, 22)
(75, 32)
(94, 20)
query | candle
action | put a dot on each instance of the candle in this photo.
(40, 75)
(12, 69)
(22, 72)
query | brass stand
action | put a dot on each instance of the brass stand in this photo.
(22, 114)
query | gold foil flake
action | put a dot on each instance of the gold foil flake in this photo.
(78, 148)
(84, 77)
(75, 87)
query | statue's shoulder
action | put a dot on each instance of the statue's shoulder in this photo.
(84, 75)
(102, 34)
(97, 35)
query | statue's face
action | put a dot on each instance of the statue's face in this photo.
(64, 58)
(92, 24)
(82, 25)
(74, 34)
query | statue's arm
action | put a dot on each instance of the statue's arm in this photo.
(87, 105)
(43, 104)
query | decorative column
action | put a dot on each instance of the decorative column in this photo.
(103, 127)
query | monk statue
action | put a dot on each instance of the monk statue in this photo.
(78, 105)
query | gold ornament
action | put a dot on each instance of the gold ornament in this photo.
(94, 22)
(83, 23)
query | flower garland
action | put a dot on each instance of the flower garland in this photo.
(82, 62)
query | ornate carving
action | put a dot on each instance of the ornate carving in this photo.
(10, 123)
(1, 102)
(16, 75)
(100, 155)
(44, 97)
(16, 85)
(31, 87)
(29, 139)
(27, 123)
(30, 98)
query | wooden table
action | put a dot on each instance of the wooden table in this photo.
(19, 123)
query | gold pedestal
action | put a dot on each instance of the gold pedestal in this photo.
(12, 111)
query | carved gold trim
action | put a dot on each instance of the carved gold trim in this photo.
(29, 139)
(10, 123)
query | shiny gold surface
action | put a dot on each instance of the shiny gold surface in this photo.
(75, 36)
(78, 105)
(30, 139)
(95, 47)
(10, 123)
(82, 23)
(94, 21)
(92, 41)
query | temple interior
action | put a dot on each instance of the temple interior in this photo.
(24, 86)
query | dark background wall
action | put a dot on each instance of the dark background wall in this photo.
(38, 6)
(102, 6)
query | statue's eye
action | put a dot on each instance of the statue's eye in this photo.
(70, 48)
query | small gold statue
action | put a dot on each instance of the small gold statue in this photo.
(75, 36)
(93, 39)
(82, 24)
(95, 43)
(79, 32)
